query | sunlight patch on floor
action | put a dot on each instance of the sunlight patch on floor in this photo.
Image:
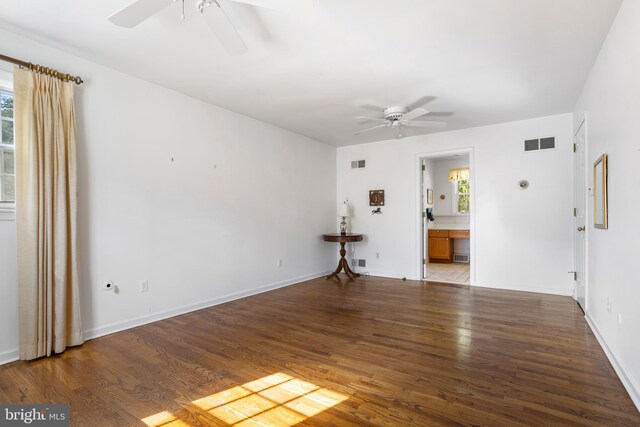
(164, 419)
(274, 400)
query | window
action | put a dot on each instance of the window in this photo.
(7, 155)
(462, 196)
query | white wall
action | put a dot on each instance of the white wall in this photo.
(611, 100)
(208, 226)
(8, 291)
(523, 239)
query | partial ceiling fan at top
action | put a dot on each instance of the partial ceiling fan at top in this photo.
(398, 117)
(214, 13)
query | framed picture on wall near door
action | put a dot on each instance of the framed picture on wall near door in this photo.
(376, 198)
(429, 196)
(600, 214)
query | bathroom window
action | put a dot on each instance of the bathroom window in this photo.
(7, 156)
(462, 196)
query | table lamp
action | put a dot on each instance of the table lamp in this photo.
(344, 214)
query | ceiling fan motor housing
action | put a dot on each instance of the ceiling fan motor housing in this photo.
(395, 113)
(203, 4)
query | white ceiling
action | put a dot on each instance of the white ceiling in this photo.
(481, 61)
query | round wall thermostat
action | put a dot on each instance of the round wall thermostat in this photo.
(524, 184)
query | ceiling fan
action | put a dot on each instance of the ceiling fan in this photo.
(214, 12)
(399, 117)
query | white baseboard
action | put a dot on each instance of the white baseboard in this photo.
(154, 317)
(12, 355)
(8, 356)
(626, 382)
(564, 291)
(385, 274)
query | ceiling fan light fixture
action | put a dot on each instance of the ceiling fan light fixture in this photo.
(398, 116)
(203, 4)
(395, 113)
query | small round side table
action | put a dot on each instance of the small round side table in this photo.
(343, 264)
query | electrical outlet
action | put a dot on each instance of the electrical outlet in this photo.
(279, 263)
(144, 286)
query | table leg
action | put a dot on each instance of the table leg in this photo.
(335, 273)
(343, 265)
(350, 273)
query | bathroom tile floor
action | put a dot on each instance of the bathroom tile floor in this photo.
(451, 273)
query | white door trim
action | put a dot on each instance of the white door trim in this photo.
(582, 124)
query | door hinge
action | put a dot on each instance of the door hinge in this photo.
(424, 167)
(574, 147)
(575, 275)
(575, 211)
(424, 214)
(424, 261)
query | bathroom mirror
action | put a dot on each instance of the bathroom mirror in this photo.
(600, 192)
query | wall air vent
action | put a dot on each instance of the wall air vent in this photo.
(358, 262)
(464, 258)
(531, 145)
(547, 143)
(540, 144)
(357, 164)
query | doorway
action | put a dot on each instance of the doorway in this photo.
(447, 209)
(580, 186)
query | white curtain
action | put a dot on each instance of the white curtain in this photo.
(48, 288)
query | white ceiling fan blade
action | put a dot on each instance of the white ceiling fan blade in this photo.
(224, 29)
(368, 129)
(414, 114)
(373, 119)
(425, 124)
(295, 6)
(137, 12)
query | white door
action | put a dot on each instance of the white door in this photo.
(579, 179)
(423, 229)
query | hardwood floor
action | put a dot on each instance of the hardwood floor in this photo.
(371, 352)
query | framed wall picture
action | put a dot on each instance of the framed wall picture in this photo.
(376, 198)
(600, 214)
(429, 196)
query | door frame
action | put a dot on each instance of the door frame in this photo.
(420, 229)
(580, 123)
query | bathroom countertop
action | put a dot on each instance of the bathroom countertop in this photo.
(450, 227)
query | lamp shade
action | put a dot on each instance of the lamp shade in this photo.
(344, 210)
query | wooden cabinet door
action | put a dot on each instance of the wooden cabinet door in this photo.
(439, 233)
(439, 247)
